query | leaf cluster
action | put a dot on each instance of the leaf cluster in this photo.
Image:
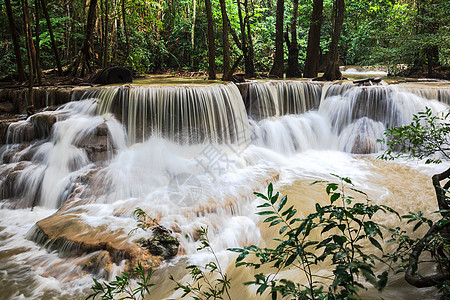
(344, 226)
(209, 282)
(427, 134)
(122, 288)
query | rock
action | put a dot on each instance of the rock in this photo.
(238, 78)
(113, 75)
(368, 81)
(363, 146)
(43, 123)
(163, 243)
(70, 236)
(7, 107)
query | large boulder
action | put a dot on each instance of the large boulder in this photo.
(113, 75)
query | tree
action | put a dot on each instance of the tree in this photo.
(246, 39)
(313, 49)
(30, 51)
(83, 62)
(15, 40)
(211, 46)
(332, 67)
(225, 42)
(52, 37)
(293, 68)
(278, 62)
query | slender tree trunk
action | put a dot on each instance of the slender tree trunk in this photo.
(278, 63)
(30, 51)
(249, 65)
(15, 40)
(243, 35)
(52, 37)
(84, 58)
(332, 69)
(293, 68)
(211, 46)
(313, 48)
(38, 40)
(194, 13)
(105, 33)
(74, 31)
(225, 42)
(125, 29)
(247, 45)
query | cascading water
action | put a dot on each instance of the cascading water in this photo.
(278, 98)
(184, 114)
(190, 157)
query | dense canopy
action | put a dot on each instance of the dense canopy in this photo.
(172, 35)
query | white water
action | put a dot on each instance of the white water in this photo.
(206, 183)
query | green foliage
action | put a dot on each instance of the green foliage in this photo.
(122, 286)
(143, 220)
(205, 286)
(344, 226)
(427, 135)
(434, 244)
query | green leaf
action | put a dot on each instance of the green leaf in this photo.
(375, 243)
(282, 203)
(334, 197)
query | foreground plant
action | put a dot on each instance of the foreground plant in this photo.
(121, 288)
(210, 281)
(426, 137)
(344, 225)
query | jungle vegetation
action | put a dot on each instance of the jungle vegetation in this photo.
(291, 38)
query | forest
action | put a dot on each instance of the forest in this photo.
(258, 38)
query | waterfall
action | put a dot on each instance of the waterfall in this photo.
(360, 115)
(190, 156)
(184, 114)
(278, 98)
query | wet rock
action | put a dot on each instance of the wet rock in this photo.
(96, 144)
(9, 176)
(363, 146)
(70, 236)
(96, 262)
(43, 123)
(163, 243)
(368, 81)
(5, 121)
(7, 107)
(22, 132)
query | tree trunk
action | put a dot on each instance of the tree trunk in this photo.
(127, 35)
(248, 58)
(278, 63)
(194, 3)
(84, 57)
(38, 52)
(52, 37)
(293, 68)
(105, 33)
(211, 46)
(225, 42)
(313, 48)
(243, 35)
(15, 40)
(30, 51)
(332, 69)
